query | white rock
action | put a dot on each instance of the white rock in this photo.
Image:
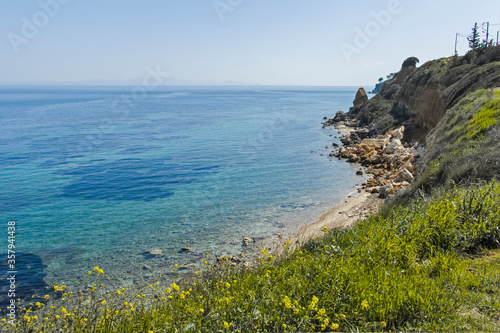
(393, 147)
(404, 175)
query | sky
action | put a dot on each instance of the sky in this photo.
(268, 42)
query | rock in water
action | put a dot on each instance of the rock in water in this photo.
(340, 116)
(361, 97)
(155, 252)
(247, 241)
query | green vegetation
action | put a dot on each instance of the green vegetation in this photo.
(474, 39)
(422, 266)
(475, 43)
(411, 62)
(463, 147)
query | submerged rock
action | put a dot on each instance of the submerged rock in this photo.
(153, 253)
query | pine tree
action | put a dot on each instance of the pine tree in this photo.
(474, 39)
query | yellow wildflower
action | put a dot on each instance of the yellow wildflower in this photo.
(365, 304)
(288, 302)
(314, 302)
(175, 287)
(334, 326)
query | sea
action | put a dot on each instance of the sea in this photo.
(101, 175)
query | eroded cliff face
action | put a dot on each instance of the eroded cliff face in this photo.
(418, 98)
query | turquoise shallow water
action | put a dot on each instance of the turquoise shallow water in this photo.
(93, 180)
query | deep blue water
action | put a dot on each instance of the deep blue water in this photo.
(99, 175)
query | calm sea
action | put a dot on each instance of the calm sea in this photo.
(101, 175)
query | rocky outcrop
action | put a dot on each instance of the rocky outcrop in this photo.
(419, 97)
(340, 117)
(388, 162)
(361, 97)
(411, 114)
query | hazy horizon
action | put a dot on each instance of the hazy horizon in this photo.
(292, 43)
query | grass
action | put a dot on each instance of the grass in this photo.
(429, 265)
(463, 145)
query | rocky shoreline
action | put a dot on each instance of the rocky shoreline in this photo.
(389, 163)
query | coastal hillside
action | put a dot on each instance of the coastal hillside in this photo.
(418, 98)
(449, 108)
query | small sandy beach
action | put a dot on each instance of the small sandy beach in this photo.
(342, 215)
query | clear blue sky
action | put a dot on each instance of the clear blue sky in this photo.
(274, 42)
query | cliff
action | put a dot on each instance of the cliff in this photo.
(450, 109)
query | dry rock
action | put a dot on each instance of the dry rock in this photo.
(394, 147)
(386, 190)
(404, 175)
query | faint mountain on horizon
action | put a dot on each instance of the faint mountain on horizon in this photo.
(134, 82)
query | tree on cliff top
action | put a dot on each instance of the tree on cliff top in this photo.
(474, 39)
(411, 62)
